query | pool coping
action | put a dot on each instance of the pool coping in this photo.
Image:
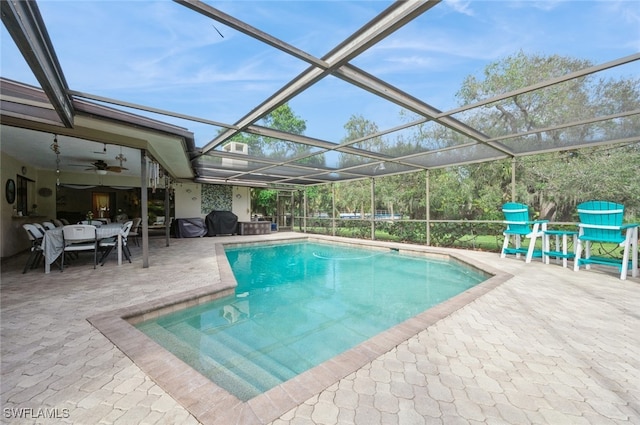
(213, 405)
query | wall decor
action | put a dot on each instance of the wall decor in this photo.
(45, 192)
(216, 198)
(10, 191)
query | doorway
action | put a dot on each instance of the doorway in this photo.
(284, 210)
(101, 204)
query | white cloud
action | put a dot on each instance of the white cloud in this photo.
(460, 6)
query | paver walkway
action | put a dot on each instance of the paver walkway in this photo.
(549, 346)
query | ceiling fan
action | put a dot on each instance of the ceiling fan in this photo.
(101, 166)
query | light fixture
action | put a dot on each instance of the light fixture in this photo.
(55, 147)
(101, 172)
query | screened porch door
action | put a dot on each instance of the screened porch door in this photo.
(285, 210)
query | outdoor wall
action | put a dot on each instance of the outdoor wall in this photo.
(187, 200)
(12, 236)
(192, 200)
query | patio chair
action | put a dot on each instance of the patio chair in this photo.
(135, 230)
(80, 237)
(35, 254)
(48, 225)
(601, 221)
(108, 244)
(40, 227)
(518, 226)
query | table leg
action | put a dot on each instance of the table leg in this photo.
(545, 247)
(634, 252)
(119, 249)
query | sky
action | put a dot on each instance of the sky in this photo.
(163, 55)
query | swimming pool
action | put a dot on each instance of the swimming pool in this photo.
(299, 304)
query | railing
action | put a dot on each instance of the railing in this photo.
(471, 234)
(467, 234)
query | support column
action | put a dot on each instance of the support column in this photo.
(167, 211)
(373, 209)
(513, 179)
(304, 211)
(333, 209)
(144, 208)
(428, 207)
(293, 210)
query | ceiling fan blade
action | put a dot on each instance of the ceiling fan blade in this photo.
(114, 169)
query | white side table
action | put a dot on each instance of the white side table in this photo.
(561, 249)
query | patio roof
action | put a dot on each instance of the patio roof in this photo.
(307, 160)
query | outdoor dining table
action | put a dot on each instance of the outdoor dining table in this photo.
(53, 242)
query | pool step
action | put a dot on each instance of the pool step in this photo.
(204, 364)
(234, 358)
(262, 358)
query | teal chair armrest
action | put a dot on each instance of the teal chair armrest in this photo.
(629, 226)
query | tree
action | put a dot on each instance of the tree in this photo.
(284, 119)
(566, 179)
(358, 127)
(555, 183)
(263, 201)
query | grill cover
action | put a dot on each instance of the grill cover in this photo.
(190, 228)
(221, 223)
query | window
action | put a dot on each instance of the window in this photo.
(25, 195)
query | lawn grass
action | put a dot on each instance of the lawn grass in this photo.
(490, 243)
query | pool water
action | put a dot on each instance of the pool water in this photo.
(300, 304)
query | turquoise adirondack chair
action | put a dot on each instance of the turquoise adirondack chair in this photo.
(601, 221)
(519, 225)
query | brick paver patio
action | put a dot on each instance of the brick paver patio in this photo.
(547, 346)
